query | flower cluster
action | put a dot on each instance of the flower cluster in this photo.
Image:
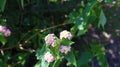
(48, 57)
(5, 31)
(52, 40)
(65, 34)
(65, 49)
(111, 5)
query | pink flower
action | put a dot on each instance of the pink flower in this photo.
(1, 28)
(109, 5)
(56, 41)
(5, 31)
(49, 39)
(65, 49)
(48, 57)
(65, 34)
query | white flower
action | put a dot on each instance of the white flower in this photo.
(65, 34)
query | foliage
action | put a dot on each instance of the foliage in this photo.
(32, 24)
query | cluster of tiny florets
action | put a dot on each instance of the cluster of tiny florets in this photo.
(5, 31)
(51, 40)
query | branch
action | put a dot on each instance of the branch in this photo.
(38, 31)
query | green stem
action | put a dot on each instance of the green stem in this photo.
(56, 63)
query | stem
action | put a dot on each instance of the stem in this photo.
(56, 63)
(38, 31)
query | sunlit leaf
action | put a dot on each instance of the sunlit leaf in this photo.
(2, 5)
(22, 3)
(44, 63)
(81, 32)
(82, 20)
(73, 31)
(40, 52)
(53, 0)
(66, 42)
(38, 64)
(2, 39)
(102, 20)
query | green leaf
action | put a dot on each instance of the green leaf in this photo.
(55, 50)
(66, 42)
(53, 0)
(85, 58)
(2, 39)
(81, 32)
(40, 52)
(38, 64)
(44, 63)
(56, 63)
(98, 50)
(71, 58)
(81, 21)
(40, 56)
(102, 20)
(3, 63)
(102, 61)
(73, 30)
(86, 12)
(73, 16)
(108, 1)
(2, 5)
(22, 3)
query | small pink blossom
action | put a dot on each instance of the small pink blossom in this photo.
(65, 49)
(109, 5)
(56, 41)
(5, 31)
(49, 39)
(48, 57)
(65, 34)
(1, 28)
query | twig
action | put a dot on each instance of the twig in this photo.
(38, 31)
